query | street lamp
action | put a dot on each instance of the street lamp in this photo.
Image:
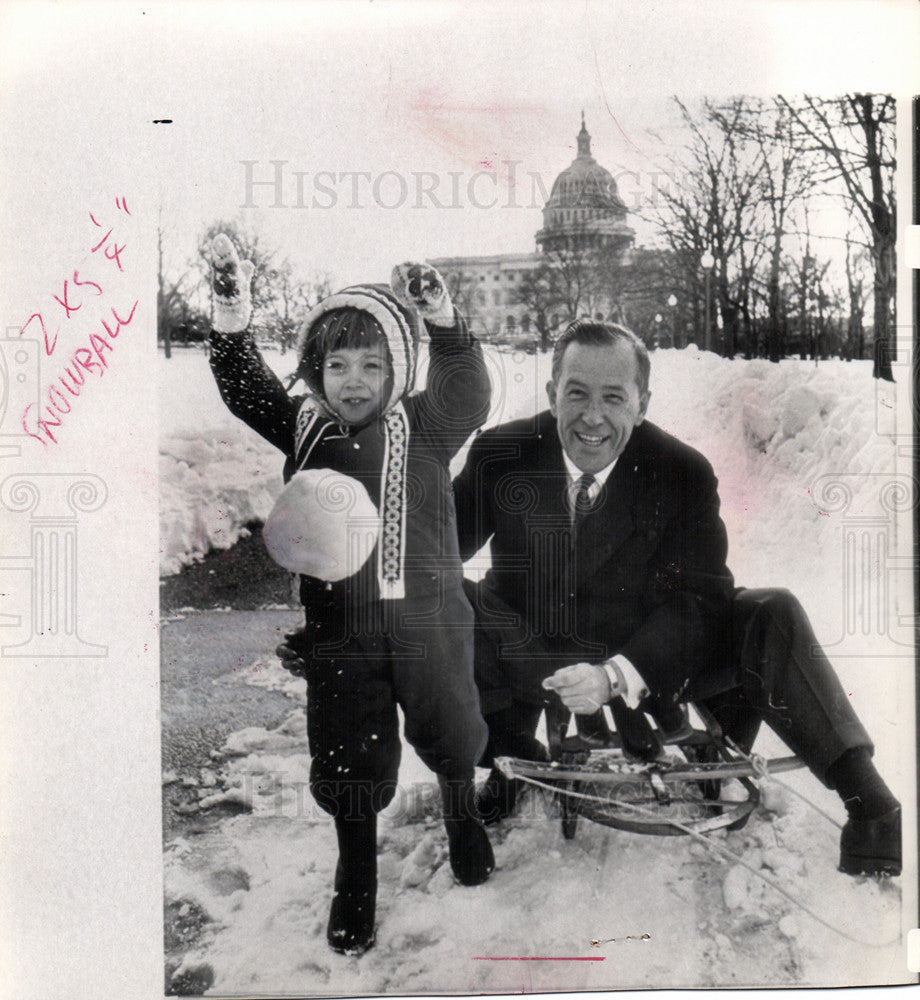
(672, 305)
(706, 263)
(657, 339)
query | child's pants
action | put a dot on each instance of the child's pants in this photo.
(361, 662)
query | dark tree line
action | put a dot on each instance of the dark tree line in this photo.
(751, 182)
(775, 231)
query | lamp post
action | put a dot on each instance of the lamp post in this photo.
(706, 263)
(657, 339)
(672, 305)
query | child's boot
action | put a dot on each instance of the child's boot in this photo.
(351, 917)
(471, 857)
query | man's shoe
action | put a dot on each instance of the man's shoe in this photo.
(673, 720)
(351, 917)
(872, 846)
(528, 748)
(674, 725)
(637, 738)
(497, 798)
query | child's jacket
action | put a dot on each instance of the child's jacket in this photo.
(410, 445)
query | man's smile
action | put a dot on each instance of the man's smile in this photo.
(592, 440)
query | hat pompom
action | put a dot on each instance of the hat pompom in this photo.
(323, 525)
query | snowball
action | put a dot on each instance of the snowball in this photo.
(323, 525)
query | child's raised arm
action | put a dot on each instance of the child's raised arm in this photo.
(456, 399)
(247, 385)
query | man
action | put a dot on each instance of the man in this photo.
(609, 580)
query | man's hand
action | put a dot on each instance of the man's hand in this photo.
(291, 660)
(230, 279)
(421, 286)
(583, 687)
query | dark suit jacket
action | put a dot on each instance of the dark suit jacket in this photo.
(645, 575)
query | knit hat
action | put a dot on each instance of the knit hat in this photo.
(398, 322)
(323, 524)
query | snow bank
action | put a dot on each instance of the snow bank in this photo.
(776, 435)
(216, 475)
(787, 442)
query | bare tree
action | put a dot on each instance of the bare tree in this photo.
(535, 290)
(855, 136)
(292, 299)
(574, 274)
(570, 280)
(712, 211)
(807, 288)
(172, 297)
(784, 181)
(463, 288)
(857, 296)
(639, 287)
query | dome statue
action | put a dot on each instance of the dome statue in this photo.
(584, 210)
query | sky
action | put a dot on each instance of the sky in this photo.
(368, 101)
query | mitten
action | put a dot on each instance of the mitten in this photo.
(421, 286)
(230, 278)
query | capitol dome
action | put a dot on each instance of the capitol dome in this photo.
(584, 210)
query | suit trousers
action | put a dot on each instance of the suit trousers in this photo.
(776, 672)
(779, 673)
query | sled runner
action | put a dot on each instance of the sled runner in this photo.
(641, 779)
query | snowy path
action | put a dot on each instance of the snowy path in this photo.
(263, 880)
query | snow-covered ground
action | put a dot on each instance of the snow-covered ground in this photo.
(806, 462)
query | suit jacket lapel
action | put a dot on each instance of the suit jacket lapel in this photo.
(551, 480)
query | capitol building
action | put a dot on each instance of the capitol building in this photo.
(585, 217)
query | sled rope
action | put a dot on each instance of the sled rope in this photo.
(717, 849)
(762, 771)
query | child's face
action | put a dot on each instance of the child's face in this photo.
(357, 381)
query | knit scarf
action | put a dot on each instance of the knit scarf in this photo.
(312, 426)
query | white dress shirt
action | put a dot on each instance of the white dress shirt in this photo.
(575, 474)
(636, 688)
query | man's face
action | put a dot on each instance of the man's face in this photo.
(596, 402)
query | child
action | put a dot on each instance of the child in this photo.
(385, 626)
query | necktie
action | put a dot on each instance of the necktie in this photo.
(582, 502)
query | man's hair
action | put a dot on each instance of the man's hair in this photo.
(337, 330)
(593, 334)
